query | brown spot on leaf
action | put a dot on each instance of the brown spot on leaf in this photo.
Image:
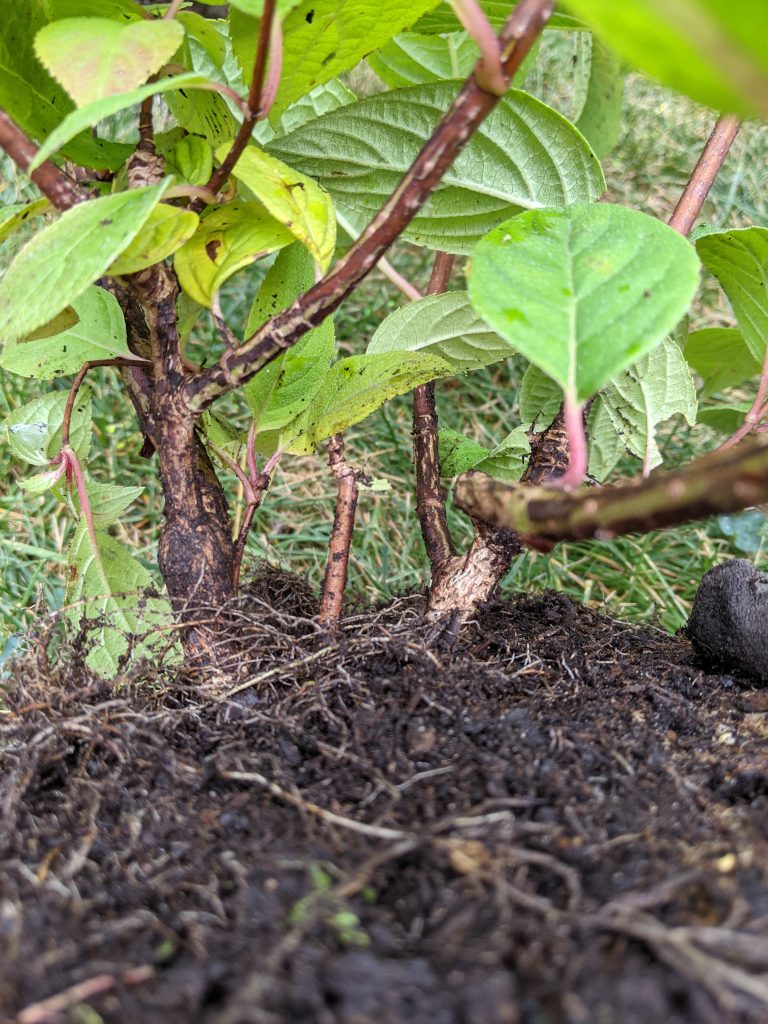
(212, 249)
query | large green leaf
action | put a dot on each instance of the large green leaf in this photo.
(293, 199)
(458, 454)
(655, 388)
(443, 18)
(34, 429)
(99, 333)
(166, 229)
(63, 259)
(256, 7)
(97, 57)
(106, 588)
(31, 97)
(444, 325)
(92, 113)
(721, 358)
(716, 51)
(739, 260)
(355, 387)
(325, 37)
(229, 238)
(583, 292)
(602, 88)
(412, 59)
(282, 390)
(524, 155)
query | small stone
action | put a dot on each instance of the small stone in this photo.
(728, 626)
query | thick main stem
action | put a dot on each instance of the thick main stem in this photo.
(335, 579)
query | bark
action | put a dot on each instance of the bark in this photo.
(335, 579)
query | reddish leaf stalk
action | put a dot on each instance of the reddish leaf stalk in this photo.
(77, 382)
(335, 579)
(757, 412)
(490, 73)
(430, 500)
(469, 109)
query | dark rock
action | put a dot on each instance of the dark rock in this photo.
(729, 621)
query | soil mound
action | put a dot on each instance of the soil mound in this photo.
(562, 822)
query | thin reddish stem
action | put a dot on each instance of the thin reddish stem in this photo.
(573, 417)
(173, 8)
(757, 412)
(77, 382)
(704, 173)
(491, 72)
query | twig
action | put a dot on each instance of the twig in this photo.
(335, 578)
(77, 383)
(49, 1009)
(704, 173)
(252, 110)
(55, 185)
(716, 483)
(490, 74)
(467, 112)
(757, 411)
(173, 8)
(430, 500)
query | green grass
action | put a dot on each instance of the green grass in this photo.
(650, 578)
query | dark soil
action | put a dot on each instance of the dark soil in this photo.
(565, 821)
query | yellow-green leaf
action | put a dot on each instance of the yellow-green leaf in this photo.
(227, 239)
(12, 217)
(97, 57)
(166, 230)
(297, 201)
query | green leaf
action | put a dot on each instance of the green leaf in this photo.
(355, 387)
(721, 358)
(109, 501)
(293, 199)
(323, 98)
(599, 119)
(539, 398)
(458, 454)
(62, 260)
(97, 57)
(118, 10)
(32, 98)
(107, 588)
(208, 33)
(657, 387)
(443, 19)
(193, 157)
(325, 37)
(583, 292)
(411, 59)
(605, 444)
(724, 417)
(12, 217)
(716, 51)
(41, 482)
(92, 113)
(524, 155)
(229, 238)
(283, 388)
(739, 260)
(256, 7)
(98, 333)
(34, 429)
(166, 229)
(444, 325)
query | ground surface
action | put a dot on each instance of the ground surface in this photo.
(565, 822)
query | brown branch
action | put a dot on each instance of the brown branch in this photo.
(717, 483)
(430, 500)
(220, 175)
(704, 173)
(55, 185)
(335, 579)
(469, 109)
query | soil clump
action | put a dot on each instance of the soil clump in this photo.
(564, 821)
